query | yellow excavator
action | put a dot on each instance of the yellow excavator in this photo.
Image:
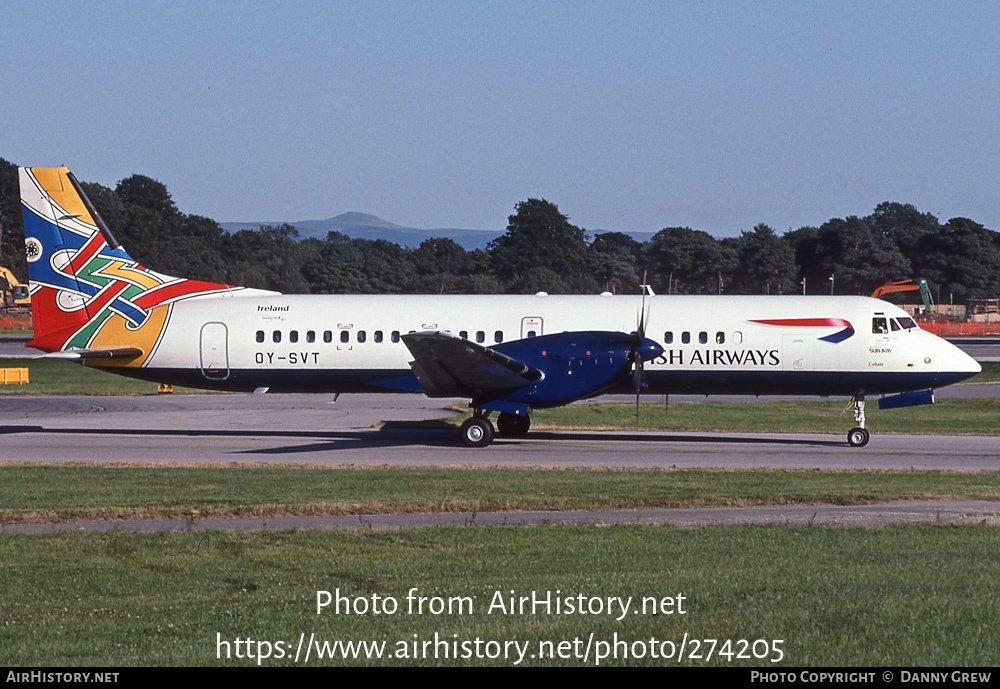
(14, 297)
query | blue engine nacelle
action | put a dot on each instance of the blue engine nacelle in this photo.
(575, 365)
(907, 399)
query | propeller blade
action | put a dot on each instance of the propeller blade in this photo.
(638, 387)
(641, 342)
(643, 308)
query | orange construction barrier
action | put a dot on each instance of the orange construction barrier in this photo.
(963, 329)
(15, 322)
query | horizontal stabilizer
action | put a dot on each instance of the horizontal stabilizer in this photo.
(449, 366)
(95, 353)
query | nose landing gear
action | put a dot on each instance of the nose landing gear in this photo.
(859, 435)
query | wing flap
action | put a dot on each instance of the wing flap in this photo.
(449, 366)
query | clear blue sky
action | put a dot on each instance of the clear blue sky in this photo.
(628, 115)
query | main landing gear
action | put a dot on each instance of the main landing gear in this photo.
(477, 431)
(513, 425)
(859, 435)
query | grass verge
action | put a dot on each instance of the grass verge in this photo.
(947, 417)
(40, 493)
(60, 377)
(902, 596)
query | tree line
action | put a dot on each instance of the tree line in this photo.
(542, 251)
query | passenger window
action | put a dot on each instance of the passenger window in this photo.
(737, 337)
(879, 326)
(532, 333)
(498, 336)
(293, 336)
(378, 336)
(310, 336)
(668, 337)
(395, 336)
(720, 337)
(362, 336)
(345, 336)
(276, 336)
(703, 337)
(260, 335)
(686, 337)
(327, 336)
(480, 336)
(464, 334)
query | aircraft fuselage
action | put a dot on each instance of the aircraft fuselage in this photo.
(712, 344)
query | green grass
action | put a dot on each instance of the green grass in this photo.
(989, 374)
(946, 417)
(60, 377)
(912, 596)
(33, 492)
(900, 596)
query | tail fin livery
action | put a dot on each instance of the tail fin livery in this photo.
(89, 298)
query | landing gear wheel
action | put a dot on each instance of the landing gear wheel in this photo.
(858, 437)
(476, 432)
(513, 425)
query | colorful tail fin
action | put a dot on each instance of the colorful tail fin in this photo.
(87, 293)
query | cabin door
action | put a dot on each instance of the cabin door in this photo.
(215, 351)
(531, 326)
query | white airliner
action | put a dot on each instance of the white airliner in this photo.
(508, 354)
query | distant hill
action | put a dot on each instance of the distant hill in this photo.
(365, 226)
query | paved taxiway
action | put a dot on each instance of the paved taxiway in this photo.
(309, 429)
(174, 429)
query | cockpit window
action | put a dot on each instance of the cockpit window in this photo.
(907, 323)
(893, 324)
(879, 326)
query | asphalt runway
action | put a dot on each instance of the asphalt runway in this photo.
(309, 429)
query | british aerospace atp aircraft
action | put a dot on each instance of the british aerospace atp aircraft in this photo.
(93, 303)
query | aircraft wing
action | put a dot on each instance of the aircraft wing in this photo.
(95, 353)
(448, 366)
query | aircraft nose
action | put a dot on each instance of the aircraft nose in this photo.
(969, 365)
(953, 360)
